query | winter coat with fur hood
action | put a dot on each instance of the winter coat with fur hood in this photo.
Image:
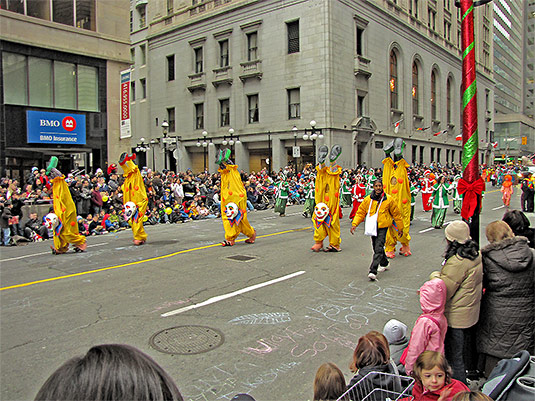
(426, 334)
(507, 319)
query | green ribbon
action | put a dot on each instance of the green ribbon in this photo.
(470, 149)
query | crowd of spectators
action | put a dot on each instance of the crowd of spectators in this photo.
(174, 197)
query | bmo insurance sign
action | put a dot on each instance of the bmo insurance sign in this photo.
(56, 128)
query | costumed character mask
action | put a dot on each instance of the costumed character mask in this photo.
(51, 221)
(231, 210)
(321, 211)
(129, 210)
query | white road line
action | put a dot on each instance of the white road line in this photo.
(41, 253)
(499, 207)
(232, 294)
(426, 230)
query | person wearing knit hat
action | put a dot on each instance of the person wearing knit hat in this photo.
(462, 272)
(396, 334)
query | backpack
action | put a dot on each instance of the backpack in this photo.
(512, 379)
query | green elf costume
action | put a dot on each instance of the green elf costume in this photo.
(440, 203)
(345, 190)
(457, 197)
(282, 196)
(310, 202)
(370, 179)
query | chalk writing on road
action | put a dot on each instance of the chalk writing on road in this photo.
(262, 318)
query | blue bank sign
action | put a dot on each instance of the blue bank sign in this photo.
(56, 128)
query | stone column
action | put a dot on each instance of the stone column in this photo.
(242, 156)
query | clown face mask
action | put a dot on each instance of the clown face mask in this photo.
(129, 210)
(231, 210)
(321, 211)
(51, 221)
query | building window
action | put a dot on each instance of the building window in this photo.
(224, 109)
(252, 46)
(293, 36)
(169, 6)
(432, 19)
(13, 6)
(171, 119)
(447, 156)
(133, 91)
(198, 60)
(85, 14)
(393, 80)
(415, 92)
(62, 12)
(360, 105)
(452, 156)
(223, 53)
(132, 55)
(143, 51)
(294, 103)
(142, 15)
(433, 96)
(64, 85)
(143, 84)
(171, 67)
(252, 101)
(360, 43)
(448, 101)
(422, 150)
(447, 31)
(439, 151)
(131, 21)
(413, 8)
(199, 116)
(414, 153)
(432, 155)
(15, 78)
(40, 71)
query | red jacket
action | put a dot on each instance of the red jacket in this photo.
(420, 394)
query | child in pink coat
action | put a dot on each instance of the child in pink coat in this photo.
(430, 328)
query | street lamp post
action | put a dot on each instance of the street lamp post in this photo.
(270, 159)
(142, 147)
(165, 126)
(204, 145)
(313, 133)
(294, 129)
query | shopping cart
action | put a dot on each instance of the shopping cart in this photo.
(379, 386)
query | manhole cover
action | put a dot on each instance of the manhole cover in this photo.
(186, 340)
(242, 258)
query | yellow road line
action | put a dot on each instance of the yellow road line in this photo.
(141, 261)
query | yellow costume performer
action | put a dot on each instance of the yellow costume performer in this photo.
(66, 227)
(233, 203)
(327, 196)
(134, 191)
(396, 184)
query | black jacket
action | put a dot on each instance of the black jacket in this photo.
(507, 315)
(384, 382)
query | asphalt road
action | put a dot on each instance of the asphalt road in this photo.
(272, 319)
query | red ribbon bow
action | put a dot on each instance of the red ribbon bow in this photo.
(470, 191)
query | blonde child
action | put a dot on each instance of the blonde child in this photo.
(433, 378)
(430, 328)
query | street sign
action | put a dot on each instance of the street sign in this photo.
(296, 151)
(168, 140)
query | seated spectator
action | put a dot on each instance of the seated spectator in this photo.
(34, 228)
(110, 372)
(83, 227)
(178, 215)
(329, 383)
(520, 225)
(372, 355)
(433, 378)
(191, 210)
(95, 226)
(396, 335)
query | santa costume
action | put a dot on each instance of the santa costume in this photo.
(427, 190)
(358, 192)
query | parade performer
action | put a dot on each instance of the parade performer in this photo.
(507, 190)
(370, 179)
(63, 222)
(326, 217)
(457, 197)
(310, 191)
(358, 192)
(440, 202)
(135, 197)
(233, 201)
(345, 192)
(283, 190)
(427, 190)
(380, 212)
(414, 192)
(396, 185)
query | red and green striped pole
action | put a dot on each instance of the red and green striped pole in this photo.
(471, 185)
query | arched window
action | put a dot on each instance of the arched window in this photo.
(433, 96)
(393, 80)
(448, 101)
(415, 94)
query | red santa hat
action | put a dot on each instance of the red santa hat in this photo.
(427, 172)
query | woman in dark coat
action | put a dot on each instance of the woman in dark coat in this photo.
(519, 223)
(507, 317)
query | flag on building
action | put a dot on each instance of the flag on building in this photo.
(422, 129)
(440, 132)
(494, 144)
(396, 126)
(459, 137)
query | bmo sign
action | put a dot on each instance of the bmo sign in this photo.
(55, 128)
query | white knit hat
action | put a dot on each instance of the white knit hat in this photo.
(394, 331)
(458, 231)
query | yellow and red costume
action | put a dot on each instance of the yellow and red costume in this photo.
(67, 231)
(328, 192)
(507, 190)
(396, 184)
(233, 191)
(134, 191)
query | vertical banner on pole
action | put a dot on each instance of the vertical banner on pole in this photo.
(126, 132)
